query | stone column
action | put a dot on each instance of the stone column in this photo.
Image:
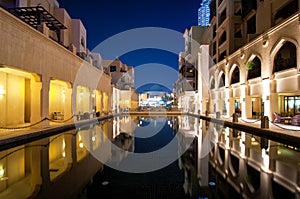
(248, 107)
(45, 173)
(243, 101)
(74, 102)
(35, 166)
(273, 100)
(45, 101)
(69, 150)
(231, 106)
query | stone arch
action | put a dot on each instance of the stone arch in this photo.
(221, 79)
(234, 74)
(253, 66)
(212, 83)
(278, 47)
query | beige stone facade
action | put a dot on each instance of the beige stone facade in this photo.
(36, 71)
(272, 86)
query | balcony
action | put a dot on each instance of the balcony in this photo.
(36, 16)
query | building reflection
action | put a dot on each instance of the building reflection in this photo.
(64, 163)
(226, 163)
(217, 162)
(123, 139)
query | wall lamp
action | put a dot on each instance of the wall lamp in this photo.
(2, 91)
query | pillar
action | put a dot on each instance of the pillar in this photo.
(273, 105)
(248, 107)
(231, 106)
(35, 166)
(45, 101)
(266, 97)
(73, 101)
(69, 149)
(45, 174)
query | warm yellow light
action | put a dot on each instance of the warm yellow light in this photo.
(63, 144)
(2, 91)
(266, 159)
(63, 95)
(81, 145)
(2, 171)
(64, 154)
(93, 138)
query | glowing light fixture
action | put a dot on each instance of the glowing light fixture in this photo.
(2, 91)
(81, 145)
(2, 171)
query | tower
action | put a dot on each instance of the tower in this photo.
(204, 13)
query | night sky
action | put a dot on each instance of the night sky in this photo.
(106, 21)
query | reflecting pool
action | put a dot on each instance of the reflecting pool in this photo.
(151, 157)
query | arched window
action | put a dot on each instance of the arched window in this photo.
(212, 84)
(254, 68)
(222, 81)
(235, 77)
(286, 11)
(285, 57)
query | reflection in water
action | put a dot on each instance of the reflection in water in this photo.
(211, 162)
(238, 165)
(55, 167)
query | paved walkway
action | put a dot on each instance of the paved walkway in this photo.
(8, 136)
(282, 128)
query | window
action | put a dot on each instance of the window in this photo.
(82, 41)
(292, 105)
(113, 68)
(214, 48)
(285, 57)
(222, 38)
(235, 78)
(214, 31)
(212, 84)
(251, 25)
(286, 11)
(222, 55)
(222, 17)
(237, 8)
(237, 30)
(222, 81)
(255, 70)
(248, 6)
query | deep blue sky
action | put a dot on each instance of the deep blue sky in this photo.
(104, 19)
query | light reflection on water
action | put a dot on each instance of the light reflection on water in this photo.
(213, 162)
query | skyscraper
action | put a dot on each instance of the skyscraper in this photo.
(204, 13)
